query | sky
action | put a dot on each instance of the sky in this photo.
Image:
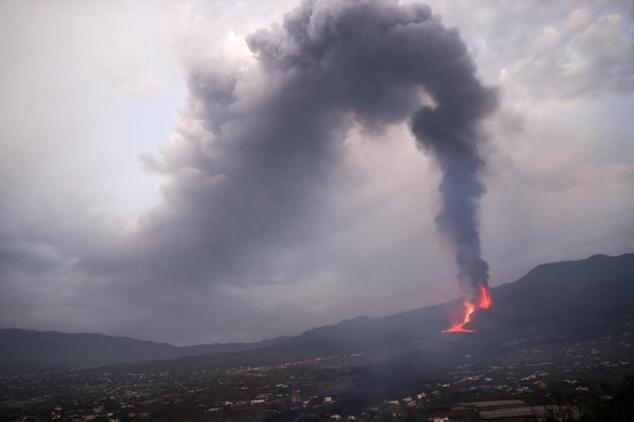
(175, 171)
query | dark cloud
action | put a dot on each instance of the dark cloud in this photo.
(19, 256)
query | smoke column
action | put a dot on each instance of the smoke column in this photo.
(378, 52)
(449, 131)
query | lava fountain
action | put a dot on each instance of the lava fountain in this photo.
(485, 297)
(483, 302)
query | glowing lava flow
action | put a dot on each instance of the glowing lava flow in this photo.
(485, 298)
(469, 309)
(484, 302)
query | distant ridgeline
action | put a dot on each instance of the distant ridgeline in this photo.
(574, 298)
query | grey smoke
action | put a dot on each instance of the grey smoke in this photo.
(255, 157)
(373, 58)
(450, 132)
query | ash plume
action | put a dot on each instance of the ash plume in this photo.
(375, 57)
(449, 131)
(256, 147)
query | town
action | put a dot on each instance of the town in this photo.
(540, 379)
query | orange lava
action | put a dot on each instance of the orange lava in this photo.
(485, 298)
(484, 302)
(469, 309)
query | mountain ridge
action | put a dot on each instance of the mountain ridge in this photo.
(548, 290)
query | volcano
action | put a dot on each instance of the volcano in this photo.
(483, 302)
(592, 297)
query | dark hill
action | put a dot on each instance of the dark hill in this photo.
(568, 300)
(559, 299)
(25, 351)
(558, 296)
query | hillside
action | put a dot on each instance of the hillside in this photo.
(25, 351)
(559, 299)
(552, 299)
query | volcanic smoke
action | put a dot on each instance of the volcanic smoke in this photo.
(450, 131)
(332, 64)
(484, 302)
(375, 58)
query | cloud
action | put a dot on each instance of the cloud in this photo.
(588, 55)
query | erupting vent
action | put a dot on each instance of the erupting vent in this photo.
(483, 302)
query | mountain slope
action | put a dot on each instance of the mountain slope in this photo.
(24, 351)
(576, 288)
(551, 298)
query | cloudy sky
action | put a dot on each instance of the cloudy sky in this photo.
(171, 171)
